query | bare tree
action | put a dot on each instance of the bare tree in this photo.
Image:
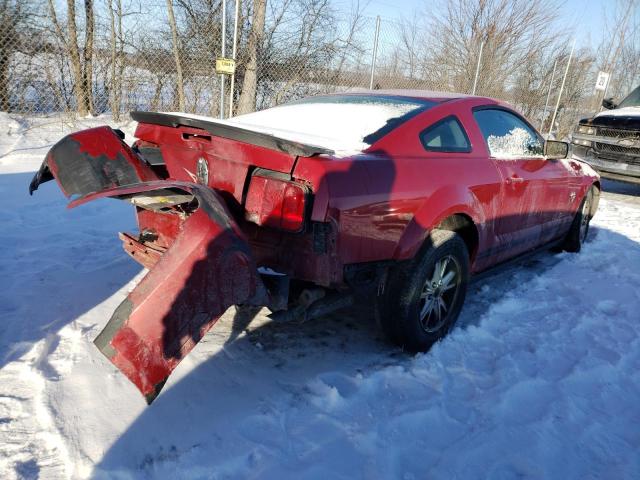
(87, 65)
(619, 52)
(175, 39)
(510, 30)
(247, 102)
(117, 65)
(80, 71)
(11, 14)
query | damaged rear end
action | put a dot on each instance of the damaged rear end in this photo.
(199, 259)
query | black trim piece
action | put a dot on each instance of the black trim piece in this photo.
(232, 132)
(446, 149)
(41, 176)
(152, 155)
(264, 172)
(392, 124)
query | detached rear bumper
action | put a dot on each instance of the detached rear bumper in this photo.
(207, 268)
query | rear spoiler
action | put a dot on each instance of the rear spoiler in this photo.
(232, 132)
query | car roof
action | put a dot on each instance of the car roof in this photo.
(431, 95)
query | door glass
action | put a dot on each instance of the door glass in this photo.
(507, 136)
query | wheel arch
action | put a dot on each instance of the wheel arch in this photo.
(459, 219)
(463, 225)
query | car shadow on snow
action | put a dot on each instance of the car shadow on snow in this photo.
(49, 270)
(622, 190)
(234, 408)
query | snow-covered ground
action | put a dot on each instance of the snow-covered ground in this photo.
(540, 380)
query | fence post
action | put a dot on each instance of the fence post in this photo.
(475, 80)
(224, 51)
(375, 52)
(234, 51)
(546, 104)
(564, 78)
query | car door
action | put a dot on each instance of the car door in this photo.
(531, 185)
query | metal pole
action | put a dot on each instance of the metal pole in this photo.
(224, 51)
(475, 80)
(564, 78)
(546, 104)
(375, 52)
(235, 47)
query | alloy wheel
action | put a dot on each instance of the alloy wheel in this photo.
(439, 293)
(585, 218)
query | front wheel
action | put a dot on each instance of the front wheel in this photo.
(580, 227)
(423, 298)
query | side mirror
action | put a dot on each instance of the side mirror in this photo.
(609, 104)
(555, 150)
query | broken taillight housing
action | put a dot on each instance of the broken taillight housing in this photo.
(277, 203)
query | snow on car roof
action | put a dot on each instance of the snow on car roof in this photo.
(345, 123)
(432, 95)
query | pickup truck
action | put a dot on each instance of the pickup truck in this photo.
(390, 198)
(610, 141)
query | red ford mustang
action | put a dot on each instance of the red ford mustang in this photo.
(314, 205)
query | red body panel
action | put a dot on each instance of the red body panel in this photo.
(385, 201)
(206, 269)
(377, 206)
(229, 161)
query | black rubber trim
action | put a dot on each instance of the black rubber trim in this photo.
(232, 132)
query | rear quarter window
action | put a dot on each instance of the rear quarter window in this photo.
(446, 135)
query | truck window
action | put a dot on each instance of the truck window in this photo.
(631, 100)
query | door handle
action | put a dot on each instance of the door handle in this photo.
(515, 179)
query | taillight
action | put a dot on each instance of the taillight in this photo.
(276, 203)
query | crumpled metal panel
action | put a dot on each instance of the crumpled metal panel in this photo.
(92, 160)
(206, 269)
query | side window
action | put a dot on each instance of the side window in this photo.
(447, 135)
(507, 136)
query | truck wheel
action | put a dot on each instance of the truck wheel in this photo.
(580, 227)
(423, 298)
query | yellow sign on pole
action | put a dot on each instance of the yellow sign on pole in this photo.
(225, 66)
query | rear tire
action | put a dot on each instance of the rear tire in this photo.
(579, 230)
(423, 298)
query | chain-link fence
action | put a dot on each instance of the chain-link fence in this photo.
(115, 57)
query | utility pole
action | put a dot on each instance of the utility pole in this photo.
(375, 52)
(564, 79)
(224, 51)
(235, 48)
(475, 80)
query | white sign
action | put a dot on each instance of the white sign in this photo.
(602, 81)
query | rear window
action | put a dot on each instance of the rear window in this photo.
(346, 124)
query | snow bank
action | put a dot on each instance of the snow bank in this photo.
(24, 141)
(540, 380)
